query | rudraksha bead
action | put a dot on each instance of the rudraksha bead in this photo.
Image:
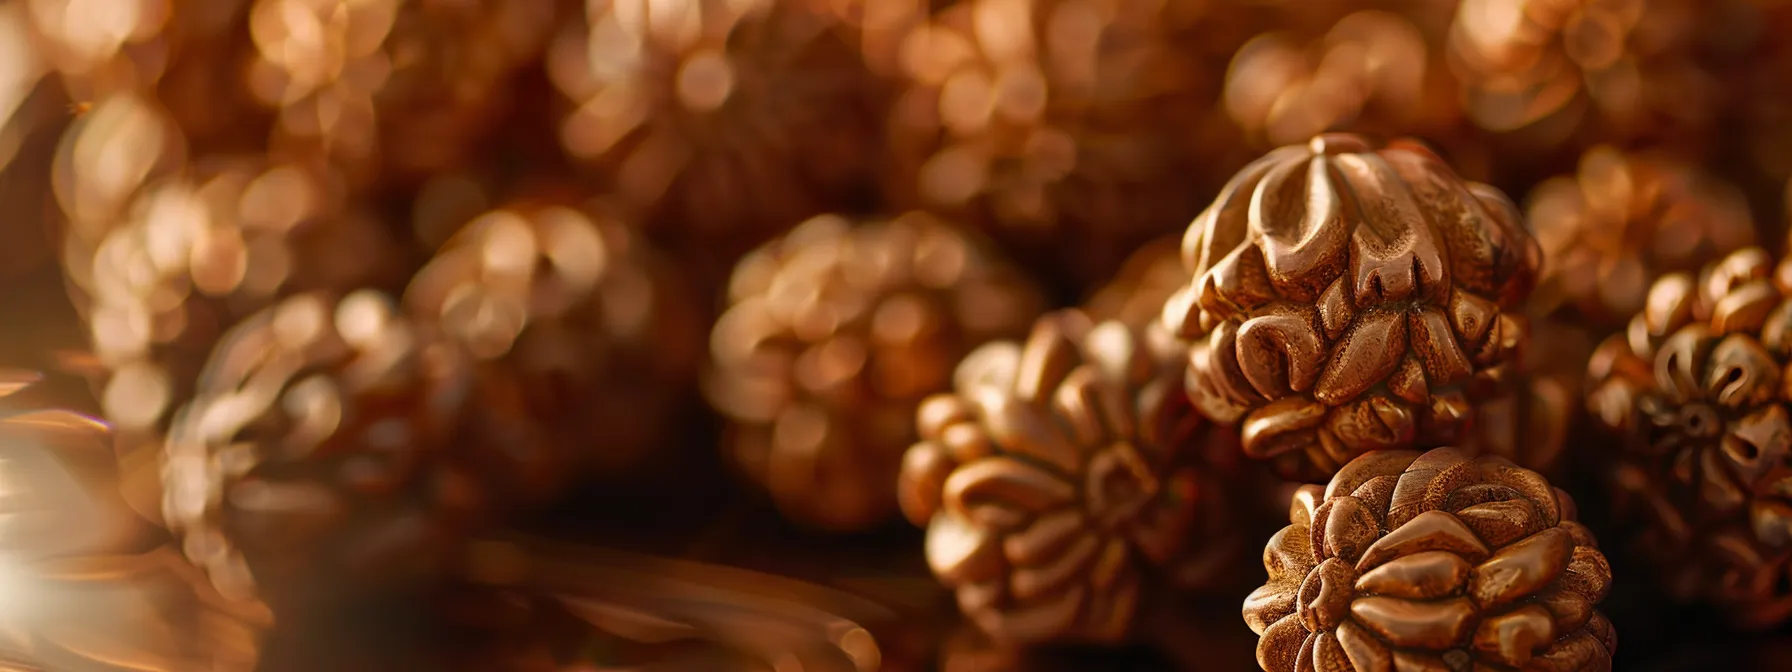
(834, 334)
(576, 319)
(1073, 146)
(1346, 299)
(334, 447)
(1432, 561)
(1067, 479)
(1694, 393)
(1621, 222)
(1372, 72)
(719, 124)
(1611, 69)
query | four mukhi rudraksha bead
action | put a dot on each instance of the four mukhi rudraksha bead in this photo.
(334, 447)
(578, 326)
(1622, 221)
(719, 124)
(1694, 394)
(835, 333)
(1068, 478)
(1432, 561)
(1347, 299)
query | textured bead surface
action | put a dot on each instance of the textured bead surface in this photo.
(1432, 561)
(721, 124)
(575, 323)
(1067, 479)
(1068, 128)
(834, 333)
(1345, 299)
(1623, 220)
(1694, 393)
(334, 446)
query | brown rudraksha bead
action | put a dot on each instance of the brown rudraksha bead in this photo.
(833, 336)
(1549, 66)
(719, 124)
(1346, 299)
(1068, 478)
(1076, 149)
(576, 319)
(160, 272)
(1622, 221)
(1695, 392)
(1372, 72)
(1432, 561)
(391, 90)
(334, 447)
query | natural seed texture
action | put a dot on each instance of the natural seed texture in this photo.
(162, 255)
(1621, 222)
(721, 124)
(1346, 299)
(834, 334)
(1617, 69)
(390, 90)
(584, 328)
(1372, 72)
(1694, 392)
(1432, 561)
(1067, 478)
(333, 447)
(1068, 128)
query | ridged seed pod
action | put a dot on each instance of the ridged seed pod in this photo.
(1614, 69)
(1694, 393)
(1066, 480)
(834, 334)
(192, 253)
(1069, 128)
(1622, 221)
(721, 124)
(1372, 72)
(390, 90)
(1345, 299)
(1432, 561)
(334, 447)
(579, 323)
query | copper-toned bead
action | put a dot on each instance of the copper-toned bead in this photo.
(1621, 222)
(1346, 299)
(161, 275)
(1615, 68)
(834, 334)
(720, 123)
(1695, 393)
(1074, 130)
(582, 327)
(1434, 560)
(1372, 72)
(1067, 479)
(390, 89)
(333, 447)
